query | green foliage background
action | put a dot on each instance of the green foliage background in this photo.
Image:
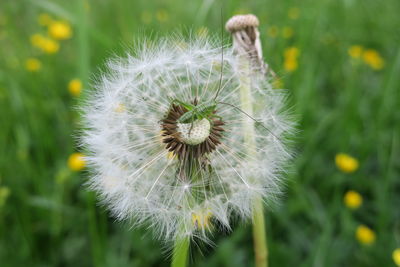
(49, 219)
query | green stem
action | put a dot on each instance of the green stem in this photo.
(259, 235)
(259, 232)
(180, 256)
(181, 245)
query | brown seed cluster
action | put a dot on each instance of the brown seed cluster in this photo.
(174, 143)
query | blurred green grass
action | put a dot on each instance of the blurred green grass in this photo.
(343, 105)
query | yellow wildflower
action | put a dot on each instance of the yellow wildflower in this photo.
(146, 17)
(294, 13)
(33, 64)
(76, 161)
(355, 51)
(372, 58)
(4, 194)
(201, 219)
(365, 235)
(346, 163)
(37, 40)
(292, 52)
(47, 45)
(202, 32)
(353, 199)
(162, 15)
(75, 87)
(273, 31)
(60, 30)
(291, 64)
(44, 19)
(287, 32)
(396, 256)
(50, 46)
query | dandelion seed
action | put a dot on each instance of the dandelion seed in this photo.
(346, 163)
(396, 256)
(120, 108)
(365, 235)
(75, 87)
(201, 219)
(353, 199)
(202, 32)
(33, 64)
(60, 30)
(76, 161)
(198, 168)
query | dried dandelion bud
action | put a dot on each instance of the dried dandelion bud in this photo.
(246, 41)
(241, 22)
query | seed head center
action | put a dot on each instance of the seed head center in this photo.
(195, 132)
(194, 139)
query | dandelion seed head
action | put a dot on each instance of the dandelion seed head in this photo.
(194, 133)
(178, 177)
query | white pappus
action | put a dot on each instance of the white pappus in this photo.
(181, 178)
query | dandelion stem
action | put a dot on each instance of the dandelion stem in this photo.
(259, 232)
(181, 248)
(259, 235)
